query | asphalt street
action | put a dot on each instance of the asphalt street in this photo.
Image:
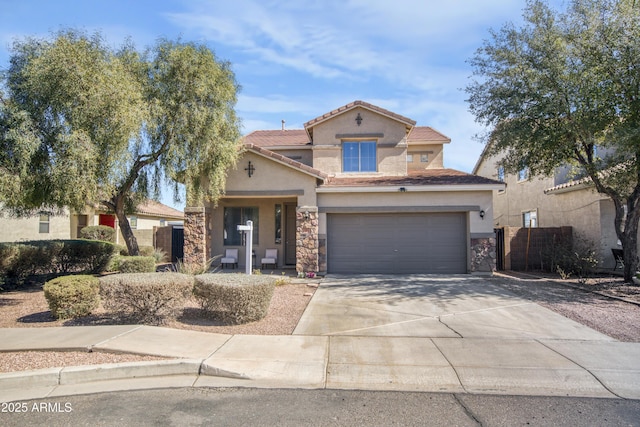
(277, 407)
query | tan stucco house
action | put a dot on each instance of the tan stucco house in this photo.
(554, 201)
(66, 225)
(359, 190)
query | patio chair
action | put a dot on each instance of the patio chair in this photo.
(230, 257)
(270, 258)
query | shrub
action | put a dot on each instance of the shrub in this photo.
(137, 264)
(234, 298)
(72, 296)
(146, 250)
(146, 297)
(99, 232)
(21, 260)
(579, 258)
(160, 256)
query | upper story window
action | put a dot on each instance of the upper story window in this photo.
(523, 174)
(133, 222)
(501, 173)
(424, 158)
(409, 158)
(359, 156)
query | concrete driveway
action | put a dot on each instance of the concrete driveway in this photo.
(433, 306)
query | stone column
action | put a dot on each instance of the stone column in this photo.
(307, 239)
(195, 236)
(483, 255)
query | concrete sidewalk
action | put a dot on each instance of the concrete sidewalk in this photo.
(529, 366)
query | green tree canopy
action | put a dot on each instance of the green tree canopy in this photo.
(82, 123)
(560, 86)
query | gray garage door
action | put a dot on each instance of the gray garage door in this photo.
(397, 243)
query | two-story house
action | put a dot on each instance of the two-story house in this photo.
(359, 190)
(553, 201)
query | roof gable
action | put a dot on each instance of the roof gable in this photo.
(409, 123)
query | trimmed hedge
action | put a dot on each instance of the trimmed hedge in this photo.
(99, 232)
(234, 298)
(137, 264)
(72, 296)
(146, 297)
(21, 260)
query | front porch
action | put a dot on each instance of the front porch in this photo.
(279, 223)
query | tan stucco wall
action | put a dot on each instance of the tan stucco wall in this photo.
(304, 156)
(435, 153)
(270, 176)
(21, 229)
(438, 200)
(327, 153)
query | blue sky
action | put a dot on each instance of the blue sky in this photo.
(296, 60)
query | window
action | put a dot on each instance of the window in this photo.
(424, 158)
(43, 225)
(133, 222)
(409, 158)
(501, 173)
(278, 224)
(237, 216)
(530, 219)
(359, 156)
(523, 174)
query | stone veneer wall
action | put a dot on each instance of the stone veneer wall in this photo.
(195, 234)
(307, 240)
(483, 255)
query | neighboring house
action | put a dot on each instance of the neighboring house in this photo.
(359, 190)
(67, 226)
(554, 201)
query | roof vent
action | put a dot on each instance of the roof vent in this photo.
(283, 122)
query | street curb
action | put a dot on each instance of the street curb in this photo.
(51, 377)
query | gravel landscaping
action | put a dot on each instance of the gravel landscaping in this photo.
(28, 309)
(582, 302)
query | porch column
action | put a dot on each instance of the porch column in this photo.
(195, 236)
(307, 239)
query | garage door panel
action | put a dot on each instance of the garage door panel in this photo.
(397, 243)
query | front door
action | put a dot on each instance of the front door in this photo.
(290, 234)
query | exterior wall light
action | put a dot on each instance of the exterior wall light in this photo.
(306, 214)
(482, 215)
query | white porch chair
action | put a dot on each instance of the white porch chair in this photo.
(270, 258)
(230, 257)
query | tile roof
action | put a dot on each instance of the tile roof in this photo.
(426, 134)
(571, 185)
(275, 138)
(153, 208)
(355, 104)
(282, 159)
(425, 177)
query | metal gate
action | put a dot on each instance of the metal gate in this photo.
(177, 244)
(499, 248)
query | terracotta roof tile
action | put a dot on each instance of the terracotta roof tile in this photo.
(282, 159)
(426, 134)
(153, 208)
(275, 138)
(355, 104)
(426, 177)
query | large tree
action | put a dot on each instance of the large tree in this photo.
(564, 89)
(82, 123)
